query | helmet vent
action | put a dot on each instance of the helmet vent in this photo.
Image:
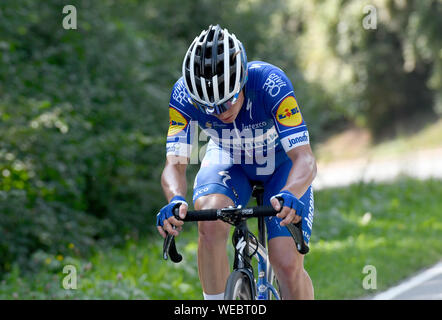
(214, 56)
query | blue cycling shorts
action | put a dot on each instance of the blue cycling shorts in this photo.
(235, 181)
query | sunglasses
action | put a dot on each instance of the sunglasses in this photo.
(219, 108)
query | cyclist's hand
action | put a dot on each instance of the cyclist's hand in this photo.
(166, 221)
(292, 207)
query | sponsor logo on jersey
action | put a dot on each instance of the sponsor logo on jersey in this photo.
(309, 218)
(295, 140)
(176, 122)
(247, 140)
(249, 108)
(173, 147)
(300, 140)
(257, 65)
(179, 93)
(214, 125)
(226, 176)
(273, 84)
(253, 126)
(200, 192)
(288, 113)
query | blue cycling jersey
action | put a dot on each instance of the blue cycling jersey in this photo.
(268, 123)
(269, 120)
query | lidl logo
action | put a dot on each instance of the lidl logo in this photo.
(288, 113)
(176, 122)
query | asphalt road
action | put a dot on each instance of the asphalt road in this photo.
(423, 164)
(426, 285)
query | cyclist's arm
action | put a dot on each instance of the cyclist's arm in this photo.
(178, 150)
(303, 170)
(173, 182)
(173, 178)
(300, 177)
(281, 103)
(178, 143)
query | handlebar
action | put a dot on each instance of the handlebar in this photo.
(230, 215)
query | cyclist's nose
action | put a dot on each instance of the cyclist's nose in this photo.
(226, 116)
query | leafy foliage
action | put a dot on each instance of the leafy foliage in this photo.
(83, 112)
(380, 78)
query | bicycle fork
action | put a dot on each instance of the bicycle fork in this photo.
(265, 271)
(245, 248)
(242, 260)
(265, 276)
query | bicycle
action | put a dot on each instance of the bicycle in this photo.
(241, 283)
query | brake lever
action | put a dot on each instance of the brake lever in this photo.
(169, 246)
(296, 233)
(166, 245)
(170, 250)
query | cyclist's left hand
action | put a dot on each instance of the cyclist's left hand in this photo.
(292, 207)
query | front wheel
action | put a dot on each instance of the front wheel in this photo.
(238, 287)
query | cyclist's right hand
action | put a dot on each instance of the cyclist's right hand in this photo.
(166, 221)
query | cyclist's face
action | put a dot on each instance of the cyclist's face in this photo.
(230, 115)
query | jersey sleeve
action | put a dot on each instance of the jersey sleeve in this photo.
(280, 101)
(179, 135)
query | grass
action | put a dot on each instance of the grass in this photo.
(395, 227)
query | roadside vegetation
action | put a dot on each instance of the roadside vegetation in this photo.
(394, 227)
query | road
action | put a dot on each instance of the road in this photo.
(422, 164)
(426, 285)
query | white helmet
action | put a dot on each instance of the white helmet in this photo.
(215, 70)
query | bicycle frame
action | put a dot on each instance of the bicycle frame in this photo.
(242, 262)
(245, 246)
(242, 243)
(265, 271)
(265, 275)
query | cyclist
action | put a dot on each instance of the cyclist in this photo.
(257, 133)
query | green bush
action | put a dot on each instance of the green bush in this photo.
(83, 113)
(82, 127)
